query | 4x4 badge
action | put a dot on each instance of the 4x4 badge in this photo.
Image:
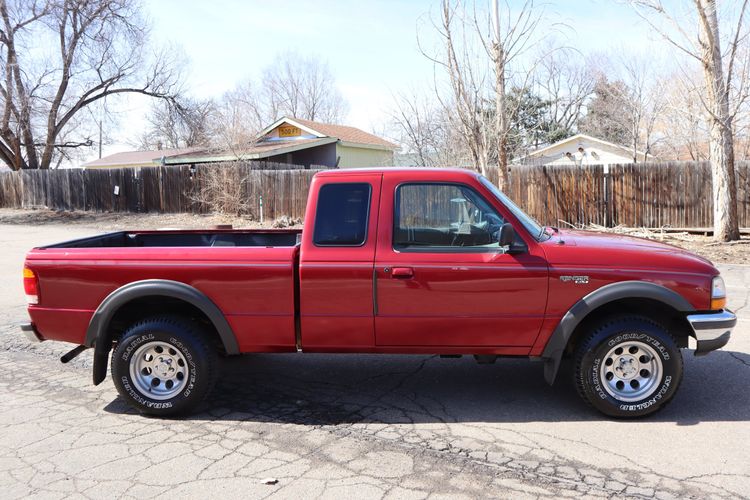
(580, 280)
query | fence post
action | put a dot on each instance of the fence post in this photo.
(607, 196)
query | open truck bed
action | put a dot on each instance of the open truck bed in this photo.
(188, 238)
(249, 276)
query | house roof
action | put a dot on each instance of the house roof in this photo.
(257, 151)
(343, 133)
(138, 158)
(321, 134)
(578, 137)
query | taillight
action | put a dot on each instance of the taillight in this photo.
(30, 286)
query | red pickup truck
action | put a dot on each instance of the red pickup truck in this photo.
(412, 261)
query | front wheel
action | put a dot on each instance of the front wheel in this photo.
(628, 367)
(163, 366)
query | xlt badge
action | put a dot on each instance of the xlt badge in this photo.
(579, 280)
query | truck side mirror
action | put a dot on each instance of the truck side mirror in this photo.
(508, 239)
(507, 235)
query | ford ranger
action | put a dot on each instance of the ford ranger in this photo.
(412, 261)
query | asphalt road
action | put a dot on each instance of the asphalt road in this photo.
(365, 426)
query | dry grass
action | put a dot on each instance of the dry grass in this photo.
(221, 190)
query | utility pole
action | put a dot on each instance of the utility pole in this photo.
(100, 138)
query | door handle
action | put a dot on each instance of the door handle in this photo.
(402, 273)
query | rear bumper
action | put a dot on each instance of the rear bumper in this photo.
(712, 330)
(29, 330)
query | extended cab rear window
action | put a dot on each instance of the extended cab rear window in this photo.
(342, 214)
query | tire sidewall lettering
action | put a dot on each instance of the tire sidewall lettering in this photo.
(134, 344)
(613, 335)
(619, 338)
(125, 358)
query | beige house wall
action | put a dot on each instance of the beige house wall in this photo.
(353, 157)
(595, 153)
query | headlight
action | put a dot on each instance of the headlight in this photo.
(718, 293)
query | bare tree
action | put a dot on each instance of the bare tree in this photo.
(418, 124)
(99, 53)
(295, 86)
(642, 100)
(512, 34)
(725, 89)
(303, 87)
(681, 124)
(566, 78)
(477, 54)
(239, 115)
(466, 101)
(178, 123)
(607, 112)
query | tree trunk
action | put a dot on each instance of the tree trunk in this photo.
(502, 128)
(501, 122)
(721, 158)
(721, 143)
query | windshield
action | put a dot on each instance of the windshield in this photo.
(533, 227)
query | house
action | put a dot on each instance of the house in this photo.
(126, 159)
(287, 140)
(582, 149)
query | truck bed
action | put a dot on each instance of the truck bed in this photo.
(247, 274)
(188, 238)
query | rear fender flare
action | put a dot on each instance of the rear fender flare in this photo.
(558, 341)
(99, 337)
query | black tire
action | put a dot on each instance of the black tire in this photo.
(637, 380)
(174, 384)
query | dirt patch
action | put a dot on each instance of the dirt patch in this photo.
(730, 253)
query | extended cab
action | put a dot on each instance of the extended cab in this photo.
(413, 261)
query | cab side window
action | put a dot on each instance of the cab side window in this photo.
(447, 217)
(342, 214)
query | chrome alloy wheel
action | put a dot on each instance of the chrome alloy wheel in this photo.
(631, 371)
(159, 370)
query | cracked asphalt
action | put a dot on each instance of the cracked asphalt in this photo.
(364, 426)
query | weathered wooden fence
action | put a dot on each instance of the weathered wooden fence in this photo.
(676, 194)
(282, 187)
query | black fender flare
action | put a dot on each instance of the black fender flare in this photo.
(558, 341)
(98, 337)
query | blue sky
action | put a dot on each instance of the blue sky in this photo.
(371, 46)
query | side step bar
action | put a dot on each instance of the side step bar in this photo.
(66, 358)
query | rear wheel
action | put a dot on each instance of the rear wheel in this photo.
(628, 367)
(164, 366)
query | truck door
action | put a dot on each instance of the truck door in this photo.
(336, 264)
(441, 277)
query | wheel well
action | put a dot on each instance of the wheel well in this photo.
(670, 318)
(159, 305)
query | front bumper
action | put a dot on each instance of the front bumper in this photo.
(712, 330)
(29, 330)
